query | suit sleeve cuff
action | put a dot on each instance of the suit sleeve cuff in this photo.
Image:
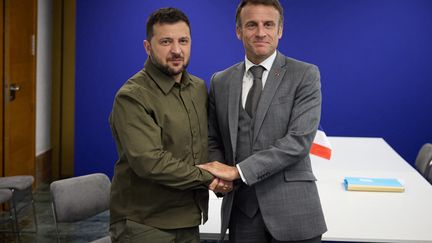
(241, 174)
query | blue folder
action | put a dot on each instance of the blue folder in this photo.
(373, 184)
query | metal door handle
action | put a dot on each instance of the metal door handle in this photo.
(13, 88)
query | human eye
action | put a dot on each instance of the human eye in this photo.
(165, 41)
(269, 24)
(250, 25)
(184, 41)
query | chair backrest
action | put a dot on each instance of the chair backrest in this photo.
(80, 197)
(5, 195)
(423, 158)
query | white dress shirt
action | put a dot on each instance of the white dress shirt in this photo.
(248, 77)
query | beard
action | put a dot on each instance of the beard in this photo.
(165, 67)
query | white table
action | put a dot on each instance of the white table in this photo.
(363, 216)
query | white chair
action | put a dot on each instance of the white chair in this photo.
(78, 198)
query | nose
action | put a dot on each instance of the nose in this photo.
(175, 48)
(261, 32)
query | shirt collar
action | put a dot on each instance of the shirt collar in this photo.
(164, 81)
(267, 63)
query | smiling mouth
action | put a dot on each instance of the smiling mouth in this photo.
(260, 43)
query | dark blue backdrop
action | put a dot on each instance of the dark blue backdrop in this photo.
(375, 60)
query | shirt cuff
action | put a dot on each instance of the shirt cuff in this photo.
(241, 174)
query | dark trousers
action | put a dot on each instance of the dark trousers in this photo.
(131, 232)
(243, 229)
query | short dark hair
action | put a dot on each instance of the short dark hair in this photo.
(275, 3)
(165, 16)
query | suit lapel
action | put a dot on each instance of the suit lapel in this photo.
(235, 87)
(274, 78)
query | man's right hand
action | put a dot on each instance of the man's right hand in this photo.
(221, 186)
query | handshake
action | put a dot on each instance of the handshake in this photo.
(224, 176)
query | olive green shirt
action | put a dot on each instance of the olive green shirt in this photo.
(160, 130)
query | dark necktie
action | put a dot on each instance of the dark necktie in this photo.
(255, 91)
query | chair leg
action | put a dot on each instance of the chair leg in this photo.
(15, 232)
(55, 222)
(15, 213)
(14, 221)
(34, 212)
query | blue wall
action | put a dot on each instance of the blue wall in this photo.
(375, 58)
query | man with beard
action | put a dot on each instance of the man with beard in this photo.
(159, 123)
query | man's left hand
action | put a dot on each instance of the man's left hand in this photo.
(220, 170)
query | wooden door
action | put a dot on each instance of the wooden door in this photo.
(19, 87)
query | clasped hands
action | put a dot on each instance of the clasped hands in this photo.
(224, 176)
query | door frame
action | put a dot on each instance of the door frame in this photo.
(63, 89)
(2, 12)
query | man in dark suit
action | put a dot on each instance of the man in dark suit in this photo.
(263, 116)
